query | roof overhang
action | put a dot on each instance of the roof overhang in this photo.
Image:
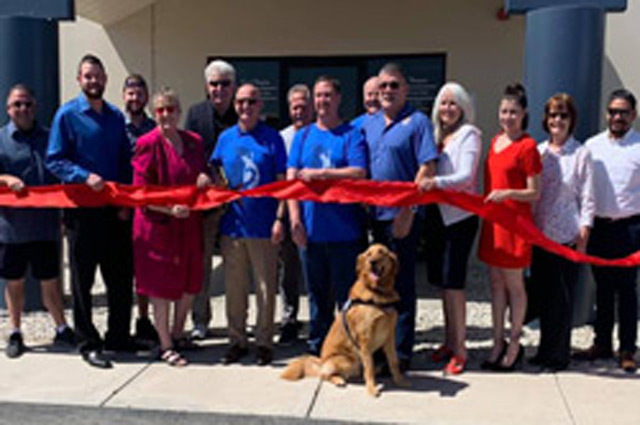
(109, 12)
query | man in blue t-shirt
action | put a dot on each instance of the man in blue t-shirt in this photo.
(329, 235)
(248, 155)
(401, 148)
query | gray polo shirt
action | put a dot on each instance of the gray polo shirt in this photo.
(22, 156)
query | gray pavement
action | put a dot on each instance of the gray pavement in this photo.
(55, 386)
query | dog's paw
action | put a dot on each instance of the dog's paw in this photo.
(338, 381)
(374, 390)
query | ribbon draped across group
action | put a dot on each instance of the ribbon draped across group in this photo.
(387, 194)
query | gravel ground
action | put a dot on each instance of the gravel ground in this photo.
(38, 327)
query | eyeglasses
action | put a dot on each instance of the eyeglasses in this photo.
(622, 112)
(220, 83)
(19, 104)
(248, 100)
(168, 109)
(561, 115)
(393, 85)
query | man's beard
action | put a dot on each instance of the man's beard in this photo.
(134, 111)
(619, 131)
(94, 93)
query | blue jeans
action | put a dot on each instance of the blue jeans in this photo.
(329, 270)
(405, 249)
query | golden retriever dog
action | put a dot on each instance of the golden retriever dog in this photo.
(366, 324)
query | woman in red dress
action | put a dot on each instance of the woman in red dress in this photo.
(167, 240)
(512, 175)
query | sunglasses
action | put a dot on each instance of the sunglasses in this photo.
(393, 85)
(248, 100)
(622, 112)
(561, 115)
(220, 83)
(19, 104)
(167, 109)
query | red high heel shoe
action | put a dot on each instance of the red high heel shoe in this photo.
(441, 354)
(455, 366)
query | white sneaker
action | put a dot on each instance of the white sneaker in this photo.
(199, 332)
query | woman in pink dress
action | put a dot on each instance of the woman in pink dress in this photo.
(167, 240)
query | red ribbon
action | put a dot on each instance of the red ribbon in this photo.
(388, 194)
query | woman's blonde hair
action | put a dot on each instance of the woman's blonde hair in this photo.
(168, 95)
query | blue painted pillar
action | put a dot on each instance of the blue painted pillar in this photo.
(29, 52)
(564, 53)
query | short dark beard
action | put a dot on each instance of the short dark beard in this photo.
(619, 134)
(136, 113)
(92, 96)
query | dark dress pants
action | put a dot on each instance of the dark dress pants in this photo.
(97, 237)
(616, 239)
(554, 277)
(405, 249)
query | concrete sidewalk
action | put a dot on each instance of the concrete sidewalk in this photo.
(597, 394)
(53, 381)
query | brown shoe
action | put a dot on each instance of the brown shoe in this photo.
(627, 362)
(592, 353)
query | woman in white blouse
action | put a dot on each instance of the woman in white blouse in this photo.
(564, 213)
(451, 231)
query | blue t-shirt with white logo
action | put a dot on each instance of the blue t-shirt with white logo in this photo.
(250, 159)
(340, 147)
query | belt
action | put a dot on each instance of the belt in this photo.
(618, 220)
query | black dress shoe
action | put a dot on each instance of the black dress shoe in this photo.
(264, 356)
(233, 354)
(95, 358)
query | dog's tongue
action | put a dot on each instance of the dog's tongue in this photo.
(373, 276)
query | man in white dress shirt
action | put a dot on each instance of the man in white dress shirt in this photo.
(290, 273)
(616, 230)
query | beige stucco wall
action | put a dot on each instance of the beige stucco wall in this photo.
(170, 41)
(622, 45)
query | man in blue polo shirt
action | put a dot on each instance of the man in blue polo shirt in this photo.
(401, 148)
(250, 154)
(28, 236)
(88, 144)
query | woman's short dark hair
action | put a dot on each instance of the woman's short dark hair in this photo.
(517, 93)
(560, 100)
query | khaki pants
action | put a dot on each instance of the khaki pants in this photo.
(261, 258)
(201, 309)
